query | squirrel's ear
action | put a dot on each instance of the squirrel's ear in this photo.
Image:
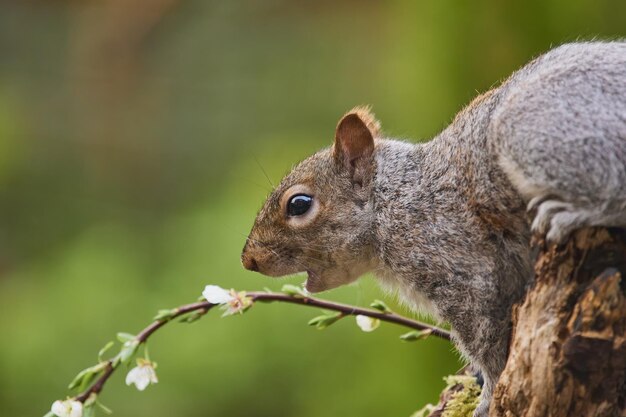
(354, 142)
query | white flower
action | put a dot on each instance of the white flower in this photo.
(67, 408)
(217, 295)
(367, 324)
(231, 301)
(142, 375)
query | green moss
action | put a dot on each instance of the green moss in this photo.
(464, 402)
(463, 398)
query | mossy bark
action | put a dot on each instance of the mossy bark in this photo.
(458, 399)
(568, 348)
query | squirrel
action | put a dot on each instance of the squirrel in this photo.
(446, 223)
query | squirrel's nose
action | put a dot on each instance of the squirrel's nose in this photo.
(250, 263)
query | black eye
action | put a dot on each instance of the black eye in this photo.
(299, 204)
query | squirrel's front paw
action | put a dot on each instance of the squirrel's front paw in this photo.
(557, 219)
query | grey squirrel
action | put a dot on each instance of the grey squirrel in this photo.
(446, 223)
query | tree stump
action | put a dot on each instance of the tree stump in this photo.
(568, 348)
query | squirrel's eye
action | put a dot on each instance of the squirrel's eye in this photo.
(299, 204)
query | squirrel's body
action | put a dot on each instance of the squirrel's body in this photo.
(446, 222)
(453, 235)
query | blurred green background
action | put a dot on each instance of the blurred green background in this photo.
(132, 135)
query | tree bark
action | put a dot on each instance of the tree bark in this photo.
(568, 348)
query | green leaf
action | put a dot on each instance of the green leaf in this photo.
(190, 318)
(125, 337)
(416, 335)
(89, 411)
(104, 408)
(294, 291)
(380, 306)
(166, 314)
(322, 322)
(104, 350)
(87, 375)
(128, 350)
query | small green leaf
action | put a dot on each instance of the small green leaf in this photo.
(128, 350)
(104, 408)
(95, 371)
(322, 322)
(87, 375)
(125, 337)
(89, 411)
(190, 318)
(49, 414)
(415, 335)
(294, 291)
(166, 314)
(380, 306)
(104, 350)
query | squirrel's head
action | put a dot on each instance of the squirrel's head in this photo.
(320, 218)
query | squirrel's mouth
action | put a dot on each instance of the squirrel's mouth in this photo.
(313, 283)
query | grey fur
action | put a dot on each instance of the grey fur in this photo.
(446, 222)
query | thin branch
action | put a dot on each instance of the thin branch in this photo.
(111, 366)
(344, 309)
(349, 310)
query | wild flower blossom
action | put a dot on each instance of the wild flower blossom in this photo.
(231, 301)
(67, 408)
(367, 324)
(217, 295)
(142, 375)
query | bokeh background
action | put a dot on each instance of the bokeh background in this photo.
(133, 139)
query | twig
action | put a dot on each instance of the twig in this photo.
(344, 309)
(349, 310)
